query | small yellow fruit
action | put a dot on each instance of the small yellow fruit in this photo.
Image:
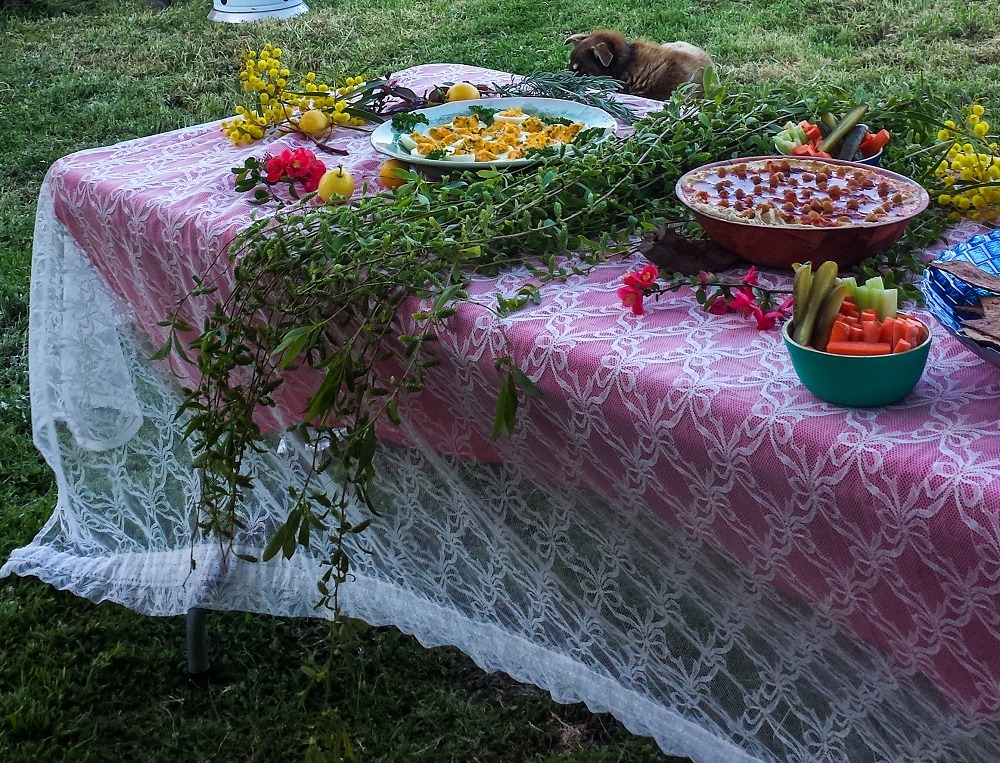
(385, 174)
(314, 122)
(336, 183)
(462, 91)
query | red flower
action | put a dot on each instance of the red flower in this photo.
(298, 163)
(275, 169)
(718, 306)
(767, 321)
(647, 276)
(316, 170)
(631, 297)
(751, 277)
(632, 279)
(744, 302)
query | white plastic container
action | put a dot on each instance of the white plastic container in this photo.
(236, 11)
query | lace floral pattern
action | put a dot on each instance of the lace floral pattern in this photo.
(677, 532)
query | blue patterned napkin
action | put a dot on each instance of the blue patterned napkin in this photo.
(944, 292)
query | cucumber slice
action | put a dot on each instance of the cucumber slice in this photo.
(875, 282)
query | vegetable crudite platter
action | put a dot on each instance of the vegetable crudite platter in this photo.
(848, 344)
(496, 132)
(776, 211)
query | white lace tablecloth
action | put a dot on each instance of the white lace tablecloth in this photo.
(677, 532)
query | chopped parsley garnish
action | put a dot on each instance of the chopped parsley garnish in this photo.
(407, 122)
(437, 153)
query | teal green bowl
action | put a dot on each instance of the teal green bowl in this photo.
(858, 382)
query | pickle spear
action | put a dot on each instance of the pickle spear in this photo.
(828, 313)
(800, 292)
(844, 126)
(822, 283)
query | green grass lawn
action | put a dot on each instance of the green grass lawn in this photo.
(80, 682)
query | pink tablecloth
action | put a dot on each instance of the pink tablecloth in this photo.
(887, 520)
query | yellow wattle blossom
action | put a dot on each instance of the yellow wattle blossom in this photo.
(265, 78)
(970, 178)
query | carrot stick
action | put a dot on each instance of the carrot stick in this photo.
(887, 327)
(898, 329)
(841, 332)
(858, 348)
(870, 331)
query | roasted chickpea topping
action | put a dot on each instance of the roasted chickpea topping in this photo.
(799, 191)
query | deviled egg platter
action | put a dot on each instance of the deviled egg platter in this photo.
(502, 132)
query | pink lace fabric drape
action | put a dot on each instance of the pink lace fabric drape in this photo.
(677, 532)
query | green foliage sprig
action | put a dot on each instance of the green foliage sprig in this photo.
(321, 287)
(591, 91)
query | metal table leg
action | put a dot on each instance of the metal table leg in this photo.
(197, 641)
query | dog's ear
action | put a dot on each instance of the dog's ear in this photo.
(574, 39)
(603, 53)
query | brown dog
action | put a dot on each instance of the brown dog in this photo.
(645, 68)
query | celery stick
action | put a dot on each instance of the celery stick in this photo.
(888, 308)
(875, 283)
(861, 297)
(852, 282)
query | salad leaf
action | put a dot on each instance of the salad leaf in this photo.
(484, 114)
(406, 121)
(588, 135)
(437, 153)
(552, 119)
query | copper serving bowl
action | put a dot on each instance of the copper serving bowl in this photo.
(779, 246)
